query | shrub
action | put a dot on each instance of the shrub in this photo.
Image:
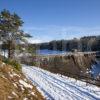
(13, 63)
(32, 63)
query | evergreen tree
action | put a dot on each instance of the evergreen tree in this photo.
(10, 31)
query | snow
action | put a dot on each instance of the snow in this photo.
(22, 87)
(95, 71)
(15, 85)
(12, 74)
(32, 93)
(25, 84)
(59, 87)
(1, 65)
(14, 94)
(4, 53)
(25, 99)
(23, 54)
(9, 97)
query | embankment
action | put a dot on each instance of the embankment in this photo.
(77, 64)
(15, 86)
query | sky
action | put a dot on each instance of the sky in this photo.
(48, 20)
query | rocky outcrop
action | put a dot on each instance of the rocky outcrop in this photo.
(75, 64)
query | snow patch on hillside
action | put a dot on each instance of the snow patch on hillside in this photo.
(95, 70)
(25, 84)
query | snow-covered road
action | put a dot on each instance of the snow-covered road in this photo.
(58, 87)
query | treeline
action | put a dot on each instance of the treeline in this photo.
(88, 43)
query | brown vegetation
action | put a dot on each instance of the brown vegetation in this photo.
(15, 86)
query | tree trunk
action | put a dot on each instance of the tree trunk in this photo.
(11, 48)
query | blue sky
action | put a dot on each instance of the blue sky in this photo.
(46, 20)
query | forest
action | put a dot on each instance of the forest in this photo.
(87, 43)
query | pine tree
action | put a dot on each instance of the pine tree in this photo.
(10, 32)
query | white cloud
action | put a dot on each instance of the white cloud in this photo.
(32, 40)
(48, 33)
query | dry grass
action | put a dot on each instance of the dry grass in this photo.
(12, 89)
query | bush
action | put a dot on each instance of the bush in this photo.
(13, 63)
(32, 63)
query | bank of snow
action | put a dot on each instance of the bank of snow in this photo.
(58, 87)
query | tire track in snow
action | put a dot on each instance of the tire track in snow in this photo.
(59, 86)
(66, 85)
(58, 89)
(52, 91)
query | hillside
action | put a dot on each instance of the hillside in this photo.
(15, 86)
